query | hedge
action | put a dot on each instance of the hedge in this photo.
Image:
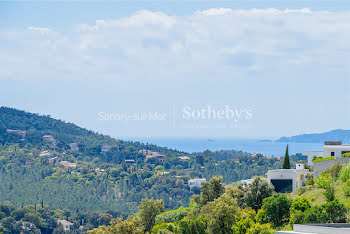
(316, 160)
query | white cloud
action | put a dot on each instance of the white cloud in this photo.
(216, 11)
(43, 31)
(223, 39)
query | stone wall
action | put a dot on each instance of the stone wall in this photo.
(324, 165)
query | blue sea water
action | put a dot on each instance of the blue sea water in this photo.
(269, 148)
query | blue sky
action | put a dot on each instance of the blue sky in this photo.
(287, 62)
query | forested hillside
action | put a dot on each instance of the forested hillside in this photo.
(39, 164)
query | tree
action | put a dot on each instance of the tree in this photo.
(148, 210)
(193, 225)
(221, 214)
(104, 219)
(286, 162)
(211, 190)
(254, 193)
(276, 209)
(132, 225)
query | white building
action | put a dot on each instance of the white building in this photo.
(330, 148)
(66, 224)
(287, 180)
(74, 146)
(196, 182)
(105, 149)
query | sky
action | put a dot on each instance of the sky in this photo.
(238, 69)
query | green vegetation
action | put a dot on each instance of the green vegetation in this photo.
(231, 210)
(95, 178)
(42, 219)
(316, 160)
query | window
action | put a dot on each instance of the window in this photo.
(332, 153)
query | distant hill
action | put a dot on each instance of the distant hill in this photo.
(334, 135)
(90, 142)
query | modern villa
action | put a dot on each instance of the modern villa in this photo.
(288, 180)
(330, 148)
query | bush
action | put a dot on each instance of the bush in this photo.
(163, 228)
(300, 204)
(297, 217)
(346, 155)
(310, 181)
(345, 177)
(260, 229)
(316, 160)
(325, 182)
(242, 226)
(248, 212)
(336, 211)
(335, 171)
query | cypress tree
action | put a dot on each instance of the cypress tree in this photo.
(286, 162)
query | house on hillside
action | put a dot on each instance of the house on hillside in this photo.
(44, 153)
(185, 158)
(50, 139)
(55, 160)
(145, 152)
(100, 171)
(17, 132)
(330, 148)
(288, 180)
(196, 182)
(105, 149)
(74, 146)
(68, 164)
(158, 156)
(66, 224)
(129, 161)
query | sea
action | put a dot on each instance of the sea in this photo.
(266, 147)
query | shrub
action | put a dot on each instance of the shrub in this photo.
(346, 188)
(248, 212)
(316, 214)
(242, 226)
(346, 155)
(345, 177)
(300, 204)
(163, 228)
(297, 217)
(260, 229)
(316, 160)
(310, 181)
(345, 172)
(325, 182)
(336, 211)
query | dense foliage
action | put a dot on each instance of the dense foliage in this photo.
(103, 181)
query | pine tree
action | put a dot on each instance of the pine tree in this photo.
(286, 162)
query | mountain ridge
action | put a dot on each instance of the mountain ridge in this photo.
(333, 135)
